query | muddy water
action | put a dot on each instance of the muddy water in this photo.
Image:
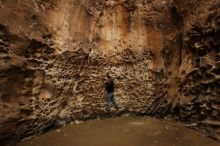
(124, 131)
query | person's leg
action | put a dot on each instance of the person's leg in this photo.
(113, 101)
(108, 100)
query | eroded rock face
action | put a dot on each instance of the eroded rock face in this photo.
(194, 65)
(54, 56)
(199, 85)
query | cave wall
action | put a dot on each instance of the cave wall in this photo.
(54, 56)
(199, 80)
(193, 69)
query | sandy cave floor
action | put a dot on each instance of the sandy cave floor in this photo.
(123, 131)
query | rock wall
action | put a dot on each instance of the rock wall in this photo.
(193, 69)
(54, 56)
(199, 76)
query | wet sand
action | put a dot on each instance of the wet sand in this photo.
(123, 131)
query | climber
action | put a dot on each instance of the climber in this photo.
(109, 87)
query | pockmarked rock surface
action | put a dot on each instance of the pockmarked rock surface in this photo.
(198, 83)
(54, 56)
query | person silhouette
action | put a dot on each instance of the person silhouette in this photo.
(110, 98)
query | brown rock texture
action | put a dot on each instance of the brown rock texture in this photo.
(191, 64)
(54, 56)
(199, 72)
